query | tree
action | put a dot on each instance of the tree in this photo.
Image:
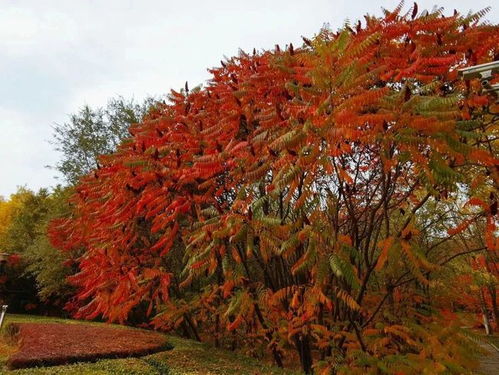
(48, 266)
(40, 273)
(19, 230)
(295, 202)
(16, 231)
(7, 211)
(94, 132)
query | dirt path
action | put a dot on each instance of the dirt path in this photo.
(489, 364)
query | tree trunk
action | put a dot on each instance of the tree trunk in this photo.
(268, 335)
(192, 327)
(485, 313)
(305, 353)
(217, 331)
(495, 308)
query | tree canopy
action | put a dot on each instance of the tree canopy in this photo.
(35, 270)
(94, 132)
(311, 199)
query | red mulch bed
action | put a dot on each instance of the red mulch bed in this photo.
(42, 344)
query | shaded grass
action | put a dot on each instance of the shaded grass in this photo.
(191, 357)
(21, 318)
(187, 358)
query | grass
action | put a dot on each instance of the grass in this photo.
(187, 358)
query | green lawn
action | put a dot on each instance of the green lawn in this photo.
(187, 358)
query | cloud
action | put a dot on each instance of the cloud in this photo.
(56, 56)
(25, 31)
(22, 154)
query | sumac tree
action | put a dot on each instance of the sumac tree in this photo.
(295, 201)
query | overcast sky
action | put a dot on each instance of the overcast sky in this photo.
(56, 56)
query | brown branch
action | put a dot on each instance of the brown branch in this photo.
(462, 253)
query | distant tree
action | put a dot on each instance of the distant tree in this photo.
(48, 266)
(39, 271)
(7, 211)
(94, 132)
(22, 212)
(10, 240)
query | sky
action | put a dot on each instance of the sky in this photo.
(56, 56)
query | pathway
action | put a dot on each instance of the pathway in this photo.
(489, 364)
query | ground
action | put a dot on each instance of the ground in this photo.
(187, 358)
(489, 365)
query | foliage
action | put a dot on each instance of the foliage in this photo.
(8, 211)
(8, 208)
(18, 229)
(23, 228)
(294, 203)
(40, 270)
(93, 132)
(48, 266)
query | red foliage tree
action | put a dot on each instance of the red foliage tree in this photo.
(284, 201)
